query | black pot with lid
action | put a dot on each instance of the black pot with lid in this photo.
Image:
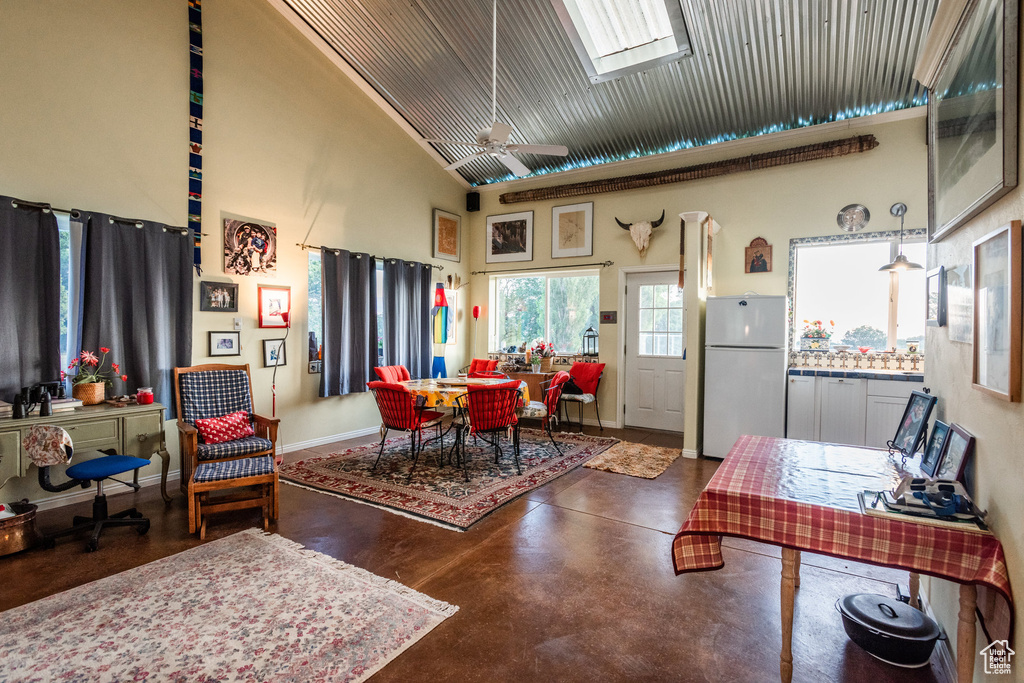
(888, 629)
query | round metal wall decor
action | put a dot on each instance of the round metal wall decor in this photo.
(853, 217)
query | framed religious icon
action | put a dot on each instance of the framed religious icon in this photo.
(447, 235)
(572, 230)
(997, 312)
(758, 256)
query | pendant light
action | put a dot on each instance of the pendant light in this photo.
(901, 262)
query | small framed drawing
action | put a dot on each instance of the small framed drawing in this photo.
(936, 299)
(510, 237)
(933, 453)
(572, 230)
(913, 424)
(218, 296)
(274, 302)
(958, 450)
(273, 353)
(447, 235)
(997, 312)
(225, 343)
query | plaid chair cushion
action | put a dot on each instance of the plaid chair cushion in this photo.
(580, 398)
(233, 449)
(233, 469)
(213, 393)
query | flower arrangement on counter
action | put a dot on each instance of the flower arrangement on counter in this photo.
(91, 369)
(815, 329)
(542, 349)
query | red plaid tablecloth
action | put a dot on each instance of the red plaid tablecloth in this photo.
(803, 495)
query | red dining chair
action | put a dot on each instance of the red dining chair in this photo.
(547, 410)
(482, 365)
(392, 373)
(489, 410)
(586, 376)
(487, 374)
(399, 411)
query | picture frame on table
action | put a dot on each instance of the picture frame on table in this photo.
(218, 296)
(933, 452)
(572, 230)
(447, 236)
(955, 455)
(510, 237)
(274, 353)
(228, 343)
(274, 300)
(935, 304)
(913, 424)
(997, 313)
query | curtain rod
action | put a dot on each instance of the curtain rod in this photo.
(603, 264)
(335, 249)
(75, 213)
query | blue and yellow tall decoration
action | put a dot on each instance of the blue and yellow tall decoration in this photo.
(440, 314)
(195, 130)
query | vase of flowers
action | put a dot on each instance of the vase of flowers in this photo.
(816, 336)
(545, 351)
(89, 384)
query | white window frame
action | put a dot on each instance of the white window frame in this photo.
(548, 275)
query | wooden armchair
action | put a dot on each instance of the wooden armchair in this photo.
(221, 449)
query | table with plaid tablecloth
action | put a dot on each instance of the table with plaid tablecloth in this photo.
(802, 495)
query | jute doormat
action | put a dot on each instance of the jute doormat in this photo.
(249, 607)
(635, 459)
(440, 494)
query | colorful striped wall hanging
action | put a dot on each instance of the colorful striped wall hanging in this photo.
(195, 130)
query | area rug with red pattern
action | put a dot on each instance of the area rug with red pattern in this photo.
(439, 493)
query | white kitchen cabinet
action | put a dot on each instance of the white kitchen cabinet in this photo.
(843, 410)
(886, 403)
(802, 408)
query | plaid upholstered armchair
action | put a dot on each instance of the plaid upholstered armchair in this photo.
(223, 444)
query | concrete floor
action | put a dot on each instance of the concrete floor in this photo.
(570, 582)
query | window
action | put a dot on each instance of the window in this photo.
(70, 277)
(557, 308)
(661, 321)
(314, 311)
(616, 37)
(839, 281)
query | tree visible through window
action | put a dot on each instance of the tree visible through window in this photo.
(556, 308)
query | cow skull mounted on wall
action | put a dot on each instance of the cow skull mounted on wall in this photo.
(641, 232)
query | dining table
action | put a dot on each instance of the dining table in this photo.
(445, 391)
(803, 496)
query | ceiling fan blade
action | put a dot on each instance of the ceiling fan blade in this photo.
(500, 131)
(514, 165)
(461, 162)
(554, 150)
(452, 142)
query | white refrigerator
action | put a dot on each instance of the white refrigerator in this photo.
(744, 370)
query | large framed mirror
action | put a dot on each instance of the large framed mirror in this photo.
(972, 117)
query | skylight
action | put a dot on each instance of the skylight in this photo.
(616, 37)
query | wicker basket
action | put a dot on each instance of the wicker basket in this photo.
(89, 393)
(545, 364)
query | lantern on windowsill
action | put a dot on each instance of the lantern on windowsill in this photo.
(590, 342)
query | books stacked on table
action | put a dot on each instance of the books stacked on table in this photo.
(63, 405)
(6, 409)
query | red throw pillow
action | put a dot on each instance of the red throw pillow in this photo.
(586, 375)
(225, 428)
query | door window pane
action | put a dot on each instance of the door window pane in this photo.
(661, 312)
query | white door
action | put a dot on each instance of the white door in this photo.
(655, 368)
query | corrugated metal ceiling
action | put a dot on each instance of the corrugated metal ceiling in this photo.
(758, 66)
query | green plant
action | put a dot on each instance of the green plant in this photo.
(91, 369)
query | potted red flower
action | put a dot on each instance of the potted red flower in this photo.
(89, 384)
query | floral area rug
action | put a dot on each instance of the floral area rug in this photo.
(635, 459)
(441, 494)
(249, 607)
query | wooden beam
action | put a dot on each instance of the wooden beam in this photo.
(782, 157)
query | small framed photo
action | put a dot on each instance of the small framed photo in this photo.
(273, 353)
(225, 343)
(572, 230)
(935, 314)
(510, 237)
(218, 296)
(913, 424)
(274, 300)
(958, 450)
(933, 453)
(757, 258)
(447, 236)
(997, 312)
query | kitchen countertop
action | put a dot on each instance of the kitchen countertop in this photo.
(859, 373)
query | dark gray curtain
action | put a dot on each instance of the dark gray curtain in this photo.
(349, 294)
(29, 297)
(407, 302)
(138, 300)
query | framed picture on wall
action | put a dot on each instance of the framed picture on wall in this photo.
(997, 312)
(274, 300)
(274, 353)
(960, 303)
(935, 314)
(572, 230)
(225, 343)
(218, 296)
(447, 235)
(510, 237)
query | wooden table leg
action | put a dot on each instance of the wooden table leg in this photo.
(915, 590)
(796, 569)
(965, 633)
(790, 562)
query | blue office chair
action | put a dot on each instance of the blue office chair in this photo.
(48, 445)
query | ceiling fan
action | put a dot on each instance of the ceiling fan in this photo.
(493, 140)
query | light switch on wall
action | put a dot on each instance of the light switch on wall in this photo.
(238, 323)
